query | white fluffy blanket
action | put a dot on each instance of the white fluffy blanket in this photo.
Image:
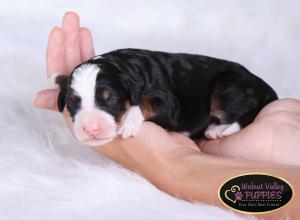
(45, 174)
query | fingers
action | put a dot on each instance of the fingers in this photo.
(86, 44)
(63, 54)
(234, 145)
(55, 64)
(67, 47)
(56, 52)
(71, 30)
(248, 144)
(46, 99)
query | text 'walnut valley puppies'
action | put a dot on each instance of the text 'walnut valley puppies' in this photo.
(114, 93)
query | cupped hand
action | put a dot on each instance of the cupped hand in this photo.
(274, 136)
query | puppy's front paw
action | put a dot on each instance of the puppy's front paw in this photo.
(220, 131)
(131, 122)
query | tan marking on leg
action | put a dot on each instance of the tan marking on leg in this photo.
(147, 108)
(215, 109)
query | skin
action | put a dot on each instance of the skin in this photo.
(175, 163)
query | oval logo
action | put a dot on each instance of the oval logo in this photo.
(255, 193)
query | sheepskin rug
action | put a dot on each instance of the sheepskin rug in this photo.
(44, 173)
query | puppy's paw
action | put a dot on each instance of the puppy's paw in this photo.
(131, 122)
(220, 131)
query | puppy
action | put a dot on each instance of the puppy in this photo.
(114, 93)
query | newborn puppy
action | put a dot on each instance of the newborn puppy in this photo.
(114, 93)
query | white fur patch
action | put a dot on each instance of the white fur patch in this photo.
(220, 131)
(132, 121)
(84, 83)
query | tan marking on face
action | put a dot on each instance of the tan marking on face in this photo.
(105, 94)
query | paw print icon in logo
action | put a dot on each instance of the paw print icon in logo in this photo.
(238, 196)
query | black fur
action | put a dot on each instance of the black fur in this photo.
(181, 87)
(61, 80)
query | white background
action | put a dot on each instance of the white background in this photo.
(262, 35)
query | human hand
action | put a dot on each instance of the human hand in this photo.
(274, 136)
(68, 46)
(170, 160)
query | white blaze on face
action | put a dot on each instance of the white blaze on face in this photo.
(91, 124)
(84, 83)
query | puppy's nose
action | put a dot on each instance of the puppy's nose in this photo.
(91, 130)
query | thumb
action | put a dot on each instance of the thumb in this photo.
(210, 146)
(231, 145)
(46, 99)
(239, 144)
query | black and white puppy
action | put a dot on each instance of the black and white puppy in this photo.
(114, 93)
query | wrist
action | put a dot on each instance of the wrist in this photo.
(176, 172)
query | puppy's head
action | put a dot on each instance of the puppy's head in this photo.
(95, 99)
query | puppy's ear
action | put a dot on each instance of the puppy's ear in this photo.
(61, 81)
(57, 81)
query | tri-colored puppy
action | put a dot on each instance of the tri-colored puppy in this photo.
(114, 93)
